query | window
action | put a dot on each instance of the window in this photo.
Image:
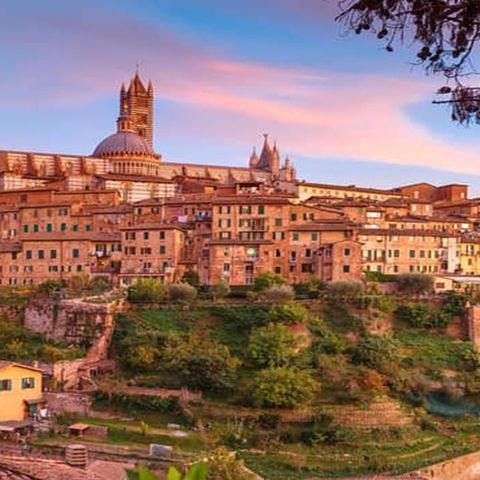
(278, 253)
(346, 269)
(75, 253)
(314, 237)
(278, 235)
(295, 236)
(307, 267)
(278, 270)
(5, 385)
(75, 228)
(63, 212)
(226, 268)
(36, 228)
(53, 254)
(163, 249)
(25, 228)
(49, 227)
(412, 253)
(145, 251)
(79, 268)
(63, 227)
(41, 254)
(278, 222)
(146, 235)
(162, 235)
(27, 383)
(261, 210)
(88, 227)
(14, 255)
(308, 253)
(346, 252)
(293, 217)
(28, 254)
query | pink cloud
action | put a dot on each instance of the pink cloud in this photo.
(82, 55)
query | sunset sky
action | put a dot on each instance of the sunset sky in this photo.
(224, 72)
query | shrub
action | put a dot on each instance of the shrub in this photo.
(272, 346)
(290, 313)
(416, 314)
(222, 465)
(385, 303)
(454, 303)
(414, 283)
(201, 362)
(146, 290)
(220, 289)
(191, 277)
(48, 286)
(284, 387)
(279, 294)
(378, 352)
(182, 293)
(270, 421)
(345, 289)
(266, 280)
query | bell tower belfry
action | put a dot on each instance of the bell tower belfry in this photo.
(137, 103)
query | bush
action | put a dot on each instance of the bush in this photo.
(279, 294)
(146, 290)
(454, 303)
(284, 387)
(220, 289)
(222, 465)
(191, 277)
(378, 352)
(266, 280)
(414, 283)
(270, 421)
(200, 362)
(419, 315)
(416, 314)
(345, 290)
(272, 346)
(290, 313)
(182, 293)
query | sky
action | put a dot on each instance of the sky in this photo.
(225, 72)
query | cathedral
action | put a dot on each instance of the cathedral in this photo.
(126, 161)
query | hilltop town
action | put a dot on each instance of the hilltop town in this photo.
(155, 313)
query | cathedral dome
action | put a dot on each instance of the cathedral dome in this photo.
(123, 142)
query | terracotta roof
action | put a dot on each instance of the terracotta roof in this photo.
(152, 226)
(411, 232)
(351, 188)
(10, 246)
(71, 237)
(5, 364)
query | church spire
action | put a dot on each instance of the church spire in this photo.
(137, 101)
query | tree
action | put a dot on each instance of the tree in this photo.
(265, 280)
(345, 290)
(272, 345)
(201, 362)
(378, 352)
(223, 465)
(278, 294)
(291, 313)
(447, 33)
(182, 293)
(146, 290)
(414, 283)
(220, 289)
(284, 387)
(140, 356)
